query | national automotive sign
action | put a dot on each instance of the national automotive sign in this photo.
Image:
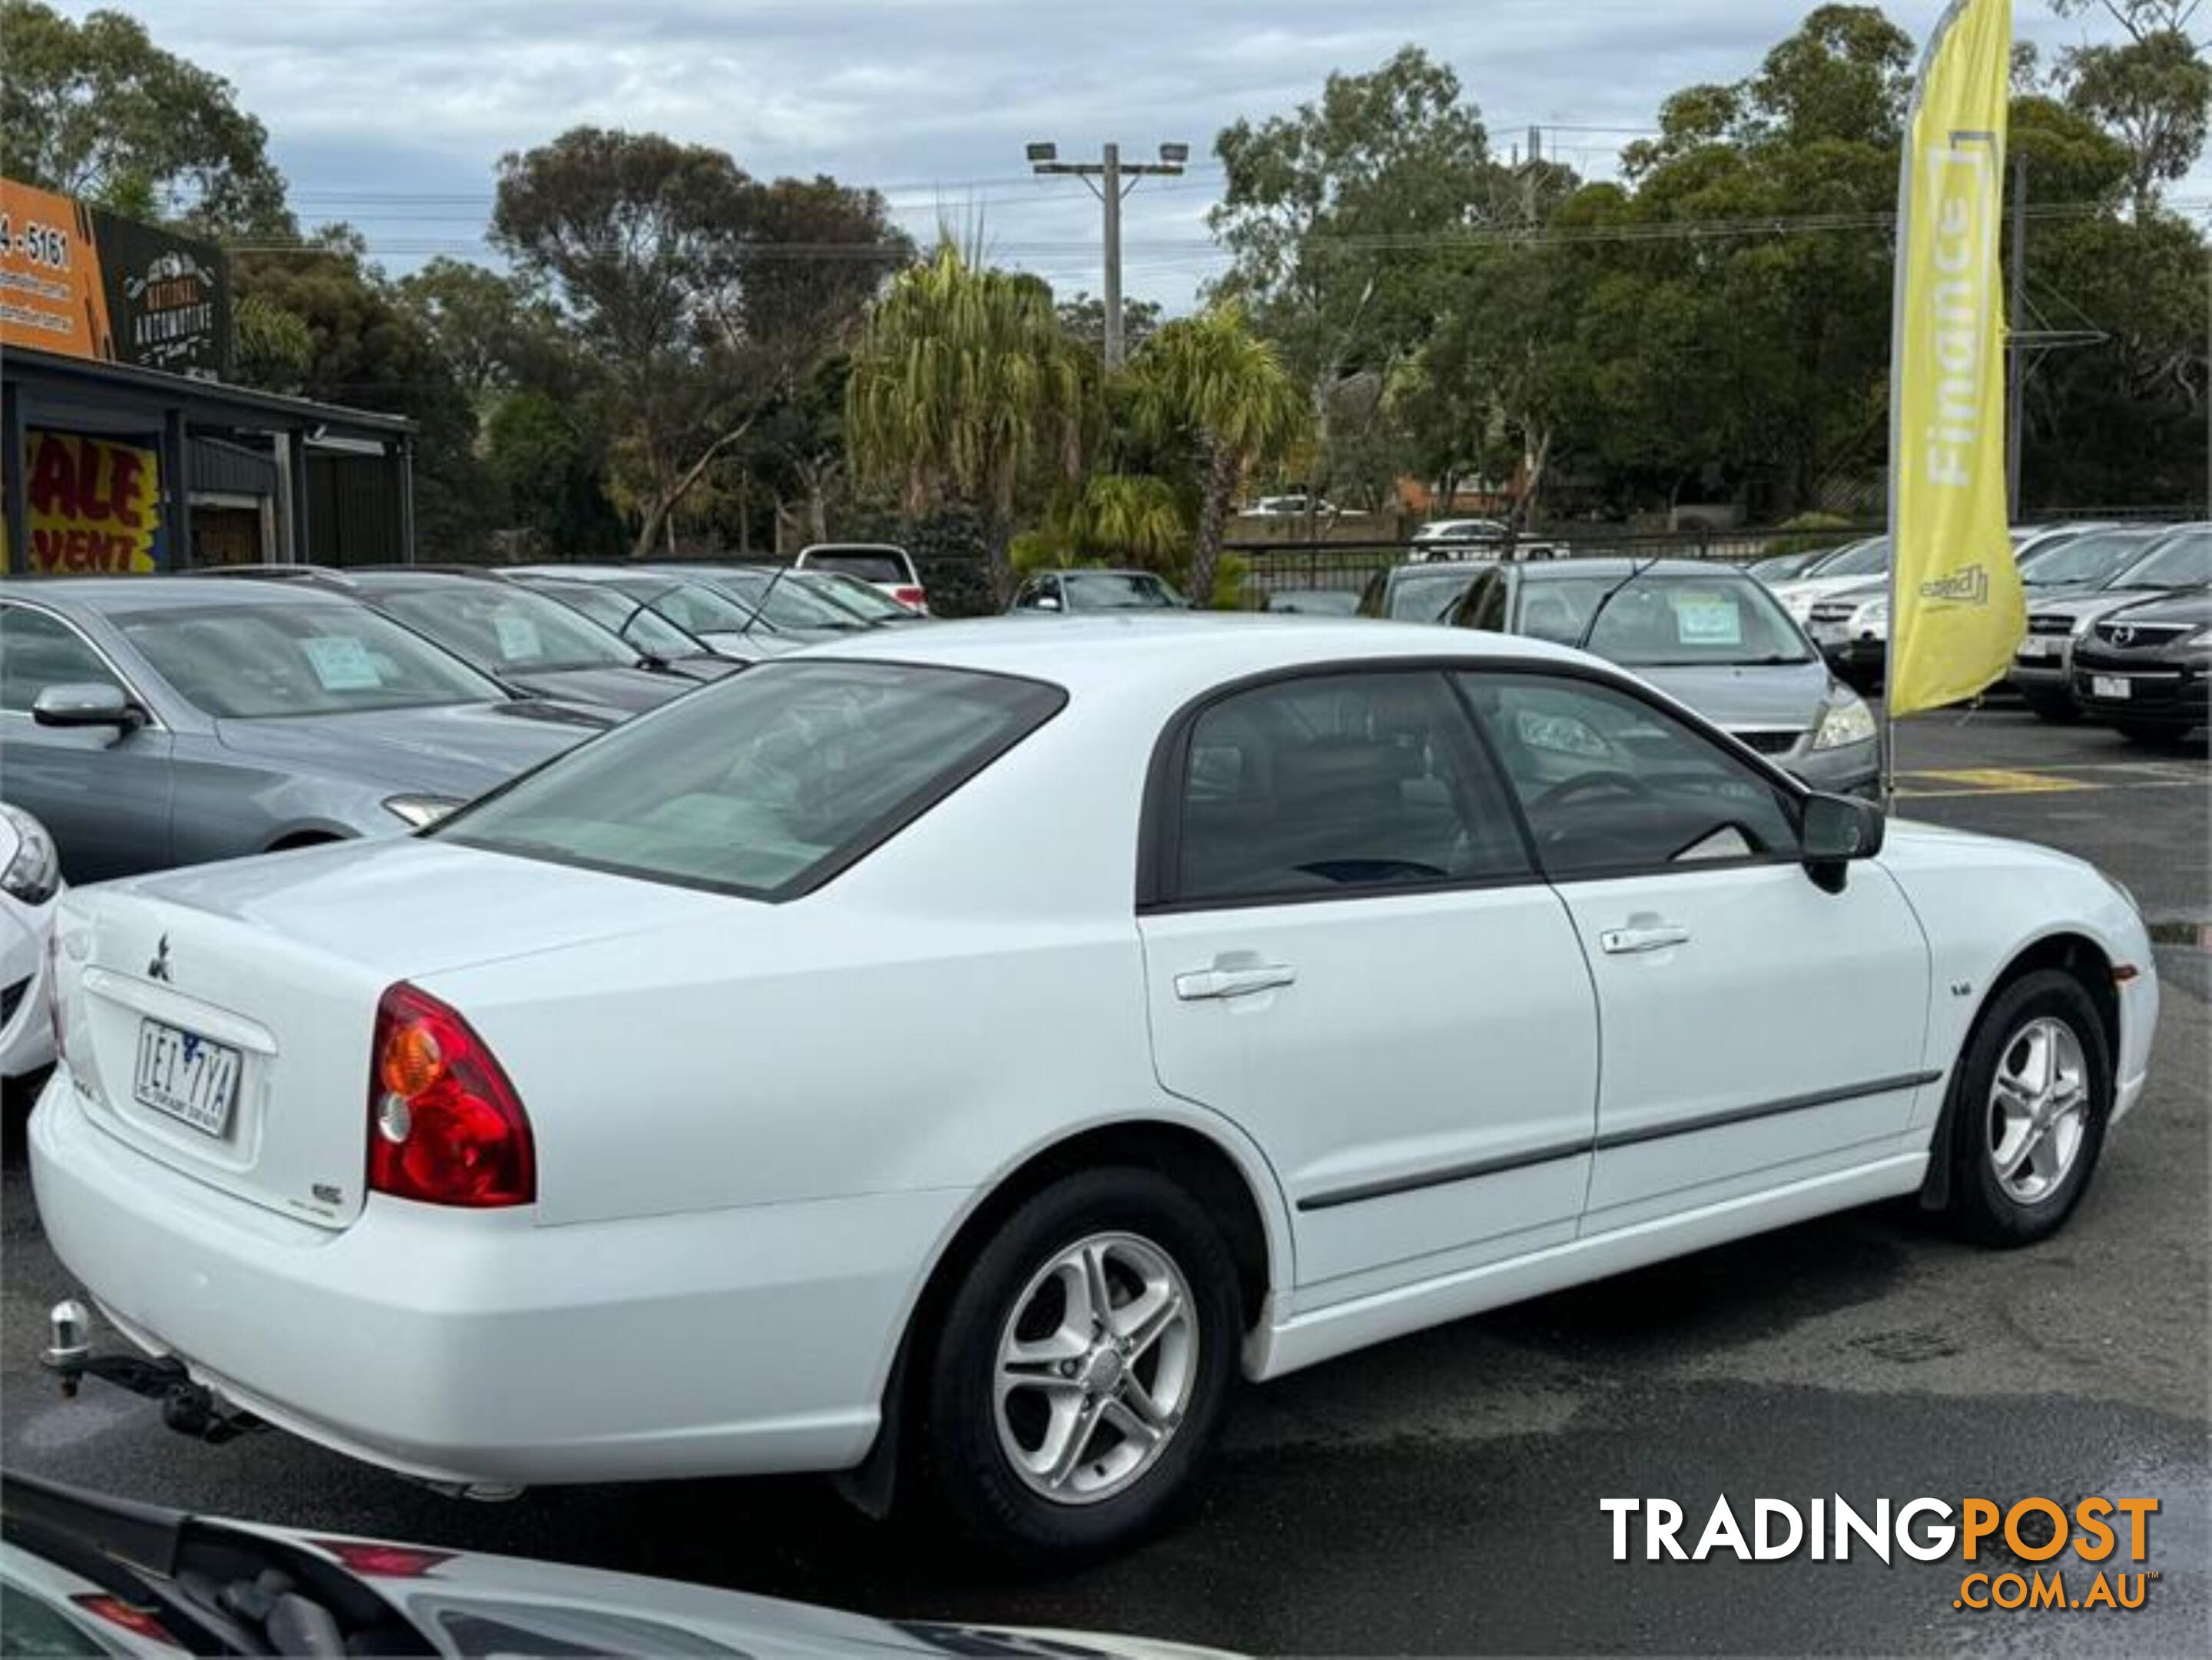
(80, 282)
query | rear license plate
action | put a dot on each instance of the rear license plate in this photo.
(2109, 685)
(184, 1076)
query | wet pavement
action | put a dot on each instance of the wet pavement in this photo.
(1441, 1494)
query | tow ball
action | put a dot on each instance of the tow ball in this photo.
(187, 1407)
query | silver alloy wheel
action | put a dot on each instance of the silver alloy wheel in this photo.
(2038, 1109)
(1096, 1368)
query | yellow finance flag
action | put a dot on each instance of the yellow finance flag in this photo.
(1956, 612)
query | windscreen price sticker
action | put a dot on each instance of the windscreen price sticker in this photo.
(2033, 1553)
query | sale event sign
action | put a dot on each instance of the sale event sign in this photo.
(94, 504)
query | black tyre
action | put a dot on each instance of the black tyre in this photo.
(1048, 1432)
(2060, 711)
(2031, 1097)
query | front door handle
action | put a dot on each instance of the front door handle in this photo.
(1203, 983)
(1655, 936)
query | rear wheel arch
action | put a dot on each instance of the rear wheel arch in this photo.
(2073, 954)
(1197, 1162)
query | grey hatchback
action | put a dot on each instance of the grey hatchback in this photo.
(1705, 632)
(152, 721)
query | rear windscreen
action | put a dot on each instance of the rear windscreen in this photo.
(767, 784)
(868, 566)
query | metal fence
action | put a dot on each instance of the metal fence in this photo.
(1277, 567)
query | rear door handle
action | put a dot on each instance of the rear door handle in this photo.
(1627, 942)
(1203, 983)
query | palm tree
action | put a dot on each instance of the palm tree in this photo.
(1213, 381)
(963, 384)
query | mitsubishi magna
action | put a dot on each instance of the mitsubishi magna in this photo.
(958, 1059)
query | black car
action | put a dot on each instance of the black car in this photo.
(2144, 670)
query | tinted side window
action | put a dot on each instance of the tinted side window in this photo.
(1610, 783)
(1340, 783)
(36, 651)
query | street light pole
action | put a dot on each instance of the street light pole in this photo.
(1111, 179)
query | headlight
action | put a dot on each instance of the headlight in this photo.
(34, 874)
(420, 810)
(1848, 722)
(1874, 614)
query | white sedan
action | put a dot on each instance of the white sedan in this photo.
(969, 1052)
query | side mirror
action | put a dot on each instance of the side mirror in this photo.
(1838, 829)
(1046, 602)
(89, 704)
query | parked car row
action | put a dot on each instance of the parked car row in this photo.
(154, 721)
(2077, 576)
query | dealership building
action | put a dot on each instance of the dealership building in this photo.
(124, 445)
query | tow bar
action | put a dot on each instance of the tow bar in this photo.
(187, 1407)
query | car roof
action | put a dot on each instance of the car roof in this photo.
(1184, 652)
(1096, 570)
(104, 594)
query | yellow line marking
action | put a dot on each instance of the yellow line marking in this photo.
(2157, 784)
(1997, 780)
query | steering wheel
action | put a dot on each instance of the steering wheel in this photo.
(1582, 783)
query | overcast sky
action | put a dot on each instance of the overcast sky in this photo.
(390, 113)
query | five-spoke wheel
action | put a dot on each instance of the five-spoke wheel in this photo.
(2031, 1093)
(1083, 1366)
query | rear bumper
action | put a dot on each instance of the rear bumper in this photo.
(476, 1347)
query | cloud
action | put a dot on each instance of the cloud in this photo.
(393, 114)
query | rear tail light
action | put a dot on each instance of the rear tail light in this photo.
(445, 1127)
(142, 1623)
(374, 1561)
(911, 597)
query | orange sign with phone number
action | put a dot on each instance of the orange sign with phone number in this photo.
(52, 297)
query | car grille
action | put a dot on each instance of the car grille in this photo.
(2140, 636)
(11, 999)
(1769, 743)
(1834, 610)
(2049, 625)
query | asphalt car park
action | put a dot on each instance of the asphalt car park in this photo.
(1441, 1494)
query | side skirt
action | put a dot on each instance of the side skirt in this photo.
(1323, 1334)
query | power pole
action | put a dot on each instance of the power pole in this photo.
(1106, 179)
(2024, 346)
(1109, 192)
